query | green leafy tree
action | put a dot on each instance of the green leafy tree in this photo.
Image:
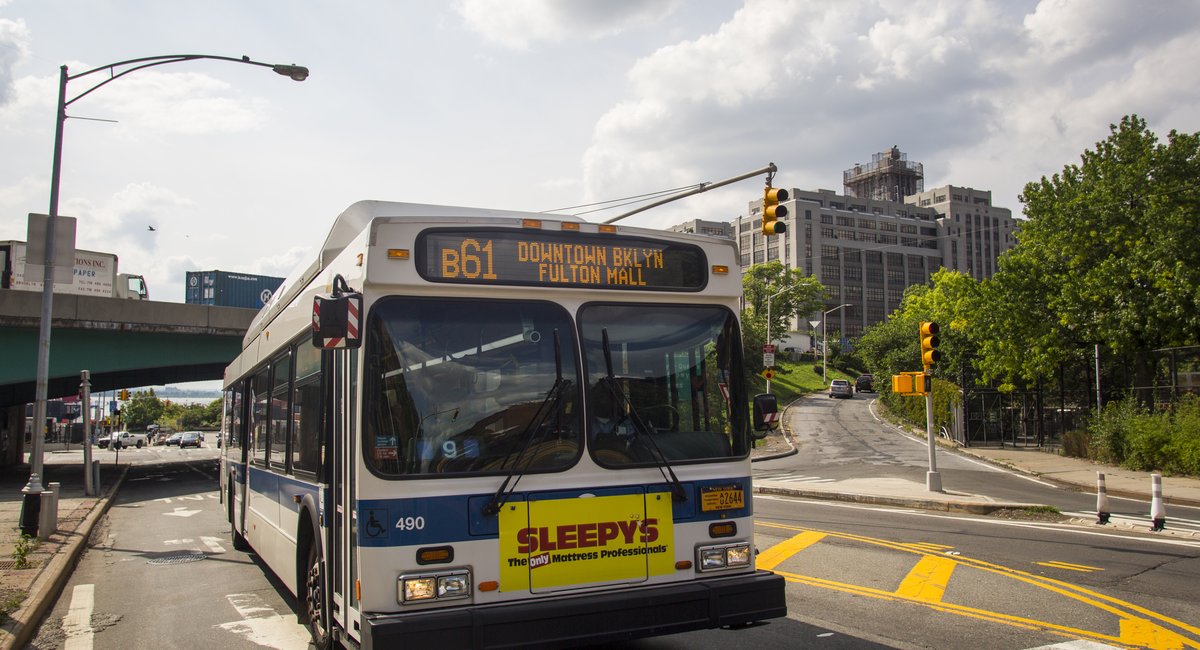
(142, 409)
(893, 346)
(790, 292)
(1108, 256)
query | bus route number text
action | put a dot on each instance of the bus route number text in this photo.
(552, 263)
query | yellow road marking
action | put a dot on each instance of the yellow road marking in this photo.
(1054, 564)
(926, 546)
(1135, 631)
(771, 558)
(927, 581)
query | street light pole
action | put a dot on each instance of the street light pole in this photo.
(825, 341)
(769, 323)
(295, 72)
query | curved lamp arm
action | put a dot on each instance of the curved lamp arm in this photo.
(292, 71)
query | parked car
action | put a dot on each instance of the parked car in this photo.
(864, 384)
(190, 439)
(174, 438)
(840, 388)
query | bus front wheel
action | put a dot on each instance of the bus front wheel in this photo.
(314, 600)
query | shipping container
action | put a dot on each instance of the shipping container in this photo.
(229, 289)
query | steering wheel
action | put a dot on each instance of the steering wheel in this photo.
(653, 415)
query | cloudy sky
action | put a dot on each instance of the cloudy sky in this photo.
(537, 105)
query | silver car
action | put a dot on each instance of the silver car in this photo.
(840, 388)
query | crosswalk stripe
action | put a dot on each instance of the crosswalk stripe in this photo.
(77, 624)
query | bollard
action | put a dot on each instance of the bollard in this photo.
(1102, 512)
(46, 516)
(1158, 514)
(96, 477)
(56, 491)
(31, 506)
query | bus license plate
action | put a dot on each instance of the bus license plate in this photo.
(723, 497)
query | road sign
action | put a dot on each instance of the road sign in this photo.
(768, 374)
(769, 348)
(768, 359)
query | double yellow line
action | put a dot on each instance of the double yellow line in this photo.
(926, 585)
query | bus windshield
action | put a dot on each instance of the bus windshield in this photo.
(469, 386)
(672, 370)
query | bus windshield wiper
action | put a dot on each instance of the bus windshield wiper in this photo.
(553, 397)
(678, 494)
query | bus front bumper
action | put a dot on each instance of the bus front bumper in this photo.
(587, 618)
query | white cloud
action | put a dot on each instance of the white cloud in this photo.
(14, 47)
(989, 95)
(518, 24)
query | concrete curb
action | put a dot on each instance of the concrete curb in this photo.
(902, 502)
(1079, 487)
(18, 631)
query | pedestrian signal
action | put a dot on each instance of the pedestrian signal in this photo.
(772, 211)
(929, 343)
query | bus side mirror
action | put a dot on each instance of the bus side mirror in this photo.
(335, 320)
(766, 414)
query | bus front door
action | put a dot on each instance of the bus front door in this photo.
(343, 542)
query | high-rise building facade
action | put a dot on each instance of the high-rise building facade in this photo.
(975, 232)
(866, 252)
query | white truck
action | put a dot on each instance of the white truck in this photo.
(123, 440)
(95, 275)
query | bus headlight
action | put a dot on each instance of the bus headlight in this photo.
(725, 556)
(433, 586)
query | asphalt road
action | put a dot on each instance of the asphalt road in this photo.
(842, 439)
(160, 571)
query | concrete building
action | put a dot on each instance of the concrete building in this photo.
(975, 233)
(888, 177)
(868, 251)
(702, 227)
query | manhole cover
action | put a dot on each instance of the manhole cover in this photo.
(178, 558)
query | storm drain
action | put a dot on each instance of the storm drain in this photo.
(178, 558)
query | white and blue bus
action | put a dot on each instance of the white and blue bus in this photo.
(466, 428)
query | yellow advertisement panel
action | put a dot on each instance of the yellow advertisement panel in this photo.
(563, 542)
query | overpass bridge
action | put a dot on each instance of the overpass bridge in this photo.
(122, 343)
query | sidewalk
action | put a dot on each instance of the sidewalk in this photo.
(1071, 473)
(51, 561)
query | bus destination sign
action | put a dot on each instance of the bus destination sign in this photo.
(530, 257)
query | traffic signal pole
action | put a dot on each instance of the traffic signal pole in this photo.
(929, 356)
(704, 187)
(933, 480)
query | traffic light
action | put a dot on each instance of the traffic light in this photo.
(929, 342)
(773, 211)
(124, 394)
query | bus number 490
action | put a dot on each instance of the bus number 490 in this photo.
(411, 523)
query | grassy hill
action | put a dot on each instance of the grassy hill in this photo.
(793, 380)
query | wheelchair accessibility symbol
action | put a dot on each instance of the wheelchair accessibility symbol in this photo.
(374, 526)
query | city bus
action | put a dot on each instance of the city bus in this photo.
(468, 428)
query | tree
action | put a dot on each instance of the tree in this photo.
(893, 346)
(790, 292)
(142, 409)
(1107, 256)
